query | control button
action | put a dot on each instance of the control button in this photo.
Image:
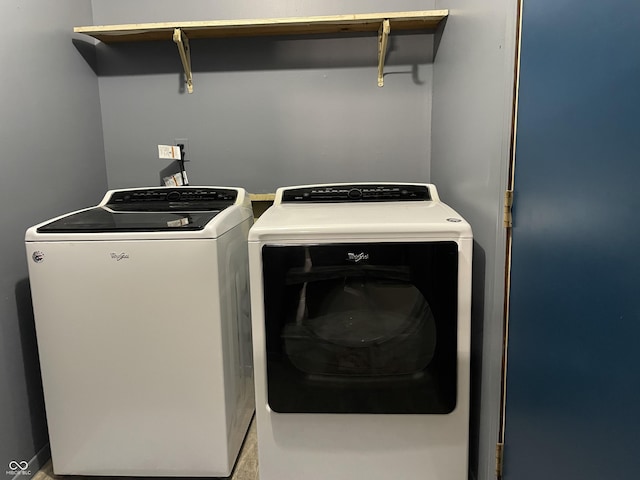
(355, 193)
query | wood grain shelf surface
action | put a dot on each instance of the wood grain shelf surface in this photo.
(262, 197)
(369, 22)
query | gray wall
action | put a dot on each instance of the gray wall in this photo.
(52, 161)
(266, 111)
(472, 100)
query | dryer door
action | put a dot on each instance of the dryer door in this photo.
(361, 328)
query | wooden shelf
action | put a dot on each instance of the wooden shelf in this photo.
(260, 202)
(262, 197)
(181, 32)
(369, 22)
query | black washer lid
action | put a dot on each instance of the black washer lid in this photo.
(102, 220)
(148, 210)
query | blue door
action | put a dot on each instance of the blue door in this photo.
(573, 375)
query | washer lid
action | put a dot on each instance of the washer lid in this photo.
(148, 210)
(102, 220)
(164, 213)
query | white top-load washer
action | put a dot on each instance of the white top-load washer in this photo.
(143, 327)
(361, 300)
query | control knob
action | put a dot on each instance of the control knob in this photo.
(355, 193)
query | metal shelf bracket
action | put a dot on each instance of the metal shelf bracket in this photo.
(182, 41)
(383, 39)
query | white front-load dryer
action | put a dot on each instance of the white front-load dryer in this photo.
(143, 327)
(361, 330)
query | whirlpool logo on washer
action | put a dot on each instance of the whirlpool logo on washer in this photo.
(357, 257)
(119, 256)
(18, 468)
(38, 256)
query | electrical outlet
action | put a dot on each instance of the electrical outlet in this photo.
(185, 142)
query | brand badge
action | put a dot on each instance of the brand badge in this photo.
(38, 256)
(357, 257)
(119, 256)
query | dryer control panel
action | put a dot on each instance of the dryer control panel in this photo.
(357, 193)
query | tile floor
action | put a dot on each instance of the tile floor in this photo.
(246, 467)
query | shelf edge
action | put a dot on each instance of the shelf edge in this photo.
(266, 26)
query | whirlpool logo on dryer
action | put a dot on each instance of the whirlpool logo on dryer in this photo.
(119, 256)
(357, 257)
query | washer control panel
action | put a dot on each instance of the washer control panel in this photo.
(357, 193)
(164, 199)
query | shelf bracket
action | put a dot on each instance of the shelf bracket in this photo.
(383, 39)
(182, 41)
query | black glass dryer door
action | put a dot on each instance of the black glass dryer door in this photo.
(361, 328)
